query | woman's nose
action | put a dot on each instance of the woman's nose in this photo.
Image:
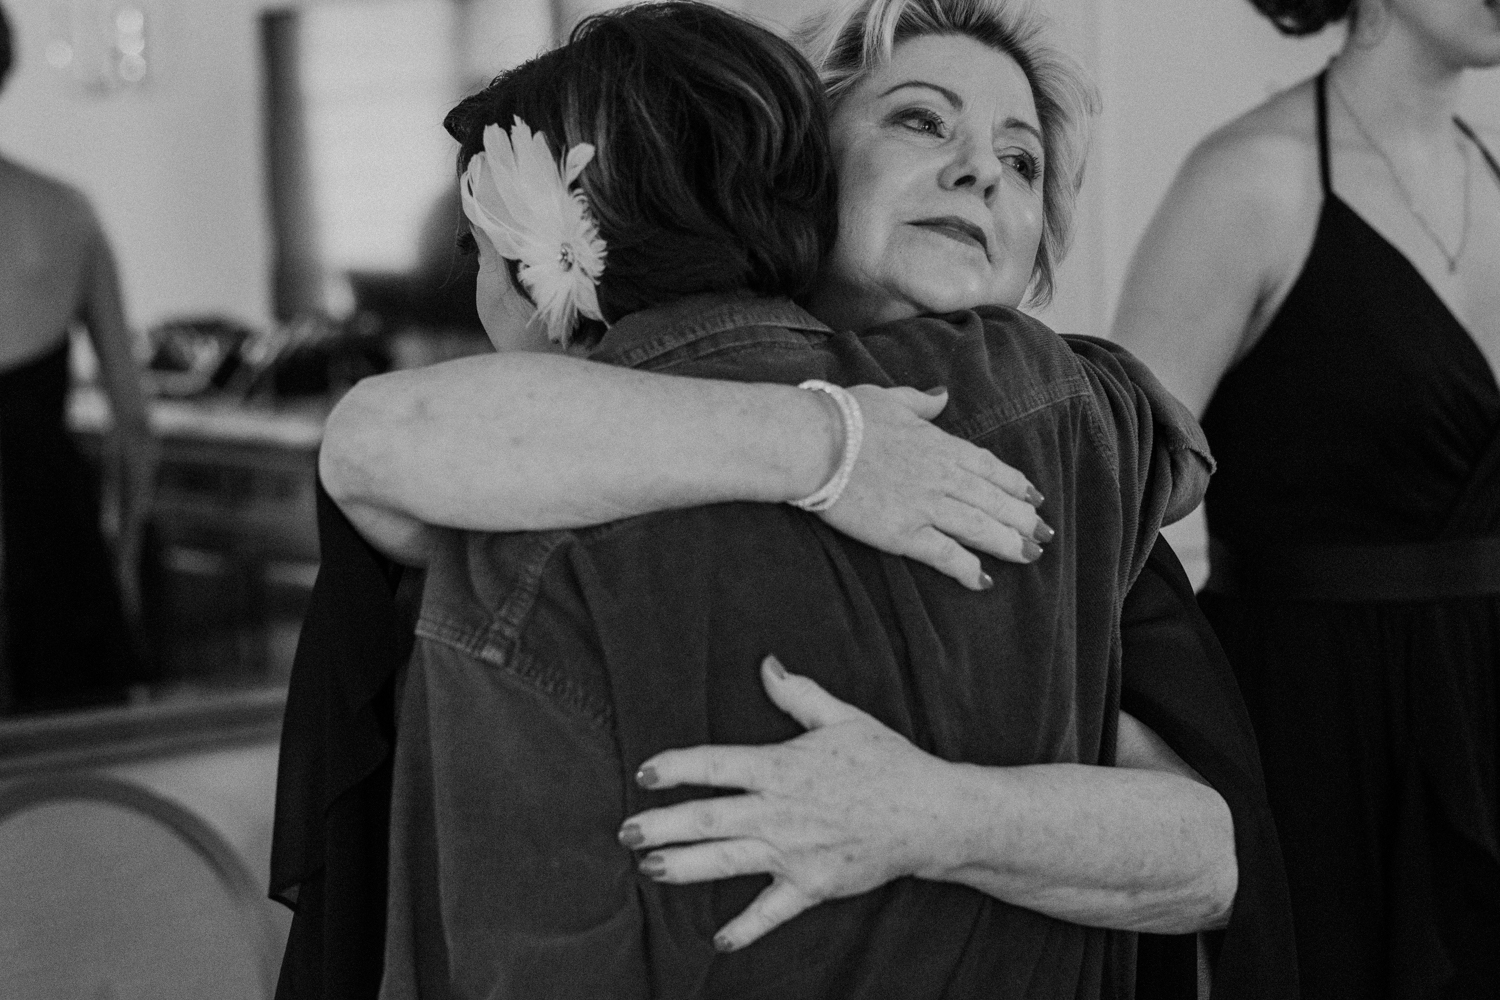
(974, 167)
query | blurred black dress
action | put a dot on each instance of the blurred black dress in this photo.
(1356, 588)
(66, 641)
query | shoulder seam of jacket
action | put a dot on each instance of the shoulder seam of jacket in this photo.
(520, 666)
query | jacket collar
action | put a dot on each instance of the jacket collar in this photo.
(642, 336)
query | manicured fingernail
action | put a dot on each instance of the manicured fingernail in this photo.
(652, 866)
(775, 667)
(1043, 532)
(1033, 497)
(722, 943)
(986, 582)
(646, 777)
(1031, 550)
(937, 390)
(631, 836)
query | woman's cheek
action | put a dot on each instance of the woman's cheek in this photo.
(860, 248)
(1033, 218)
(1022, 233)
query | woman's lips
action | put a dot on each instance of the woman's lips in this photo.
(961, 230)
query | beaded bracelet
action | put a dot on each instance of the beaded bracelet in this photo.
(854, 435)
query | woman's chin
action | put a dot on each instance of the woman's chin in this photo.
(954, 289)
(951, 299)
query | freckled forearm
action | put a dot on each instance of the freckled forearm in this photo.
(1111, 847)
(518, 442)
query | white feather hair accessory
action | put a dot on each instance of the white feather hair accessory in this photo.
(525, 202)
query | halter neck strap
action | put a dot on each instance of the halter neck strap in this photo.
(1323, 170)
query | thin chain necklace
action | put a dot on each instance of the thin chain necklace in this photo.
(1411, 203)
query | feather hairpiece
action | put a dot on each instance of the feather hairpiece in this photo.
(524, 200)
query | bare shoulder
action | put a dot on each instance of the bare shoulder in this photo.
(1265, 161)
(1256, 182)
(65, 209)
(1224, 246)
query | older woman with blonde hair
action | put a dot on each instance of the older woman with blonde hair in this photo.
(1074, 822)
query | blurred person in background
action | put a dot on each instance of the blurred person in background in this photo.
(1322, 286)
(65, 635)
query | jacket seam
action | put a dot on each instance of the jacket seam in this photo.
(759, 345)
(991, 419)
(518, 665)
(649, 354)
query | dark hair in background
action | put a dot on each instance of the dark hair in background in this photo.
(712, 169)
(1304, 17)
(7, 53)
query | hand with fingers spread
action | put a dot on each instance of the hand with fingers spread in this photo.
(845, 808)
(918, 491)
(851, 805)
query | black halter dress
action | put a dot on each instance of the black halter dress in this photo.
(1355, 523)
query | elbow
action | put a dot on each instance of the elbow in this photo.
(1202, 890)
(351, 449)
(1224, 867)
(1209, 899)
(1221, 884)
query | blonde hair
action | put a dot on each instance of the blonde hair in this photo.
(850, 41)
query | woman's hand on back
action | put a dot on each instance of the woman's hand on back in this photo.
(842, 809)
(920, 492)
(851, 805)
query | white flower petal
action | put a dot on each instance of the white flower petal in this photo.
(578, 158)
(522, 198)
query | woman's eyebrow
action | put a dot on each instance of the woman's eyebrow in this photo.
(1014, 124)
(949, 95)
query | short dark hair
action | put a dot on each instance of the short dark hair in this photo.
(7, 53)
(713, 170)
(1303, 17)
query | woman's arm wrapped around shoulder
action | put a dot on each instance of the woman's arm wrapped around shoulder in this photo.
(512, 442)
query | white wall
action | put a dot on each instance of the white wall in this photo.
(176, 169)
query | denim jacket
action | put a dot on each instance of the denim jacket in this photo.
(550, 665)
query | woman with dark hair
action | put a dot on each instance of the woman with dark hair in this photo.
(1322, 284)
(63, 634)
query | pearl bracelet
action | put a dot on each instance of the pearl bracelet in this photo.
(854, 435)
